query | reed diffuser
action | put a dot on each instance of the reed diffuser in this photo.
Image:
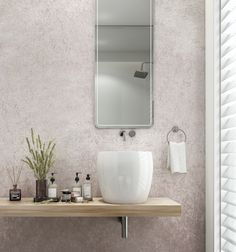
(14, 175)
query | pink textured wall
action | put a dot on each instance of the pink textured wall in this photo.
(47, 82)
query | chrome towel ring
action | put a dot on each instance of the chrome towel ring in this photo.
(176, 129)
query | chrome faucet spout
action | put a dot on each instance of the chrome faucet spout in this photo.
(123, 134)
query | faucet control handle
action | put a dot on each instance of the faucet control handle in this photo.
(132, 133)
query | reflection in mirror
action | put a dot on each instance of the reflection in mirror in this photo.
(124, 64)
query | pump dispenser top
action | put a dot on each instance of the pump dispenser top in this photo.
(52, 179)
(77, 177)
(88, 177)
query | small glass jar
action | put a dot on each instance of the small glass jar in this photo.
(15, 194)
(66, 195)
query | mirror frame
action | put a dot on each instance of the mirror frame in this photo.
(151, 122)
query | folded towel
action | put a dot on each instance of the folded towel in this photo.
(176, 161)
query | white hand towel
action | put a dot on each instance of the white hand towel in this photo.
(176, 161)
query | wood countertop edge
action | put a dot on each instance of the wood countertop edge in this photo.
(159, 207)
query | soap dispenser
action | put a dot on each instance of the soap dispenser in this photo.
(87, 189)
(76, 191)
(52, 188)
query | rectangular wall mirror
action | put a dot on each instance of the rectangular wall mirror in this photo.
(124, 62)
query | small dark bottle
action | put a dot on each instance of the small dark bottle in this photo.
(15, 194)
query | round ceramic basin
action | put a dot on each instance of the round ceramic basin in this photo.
(125, 177)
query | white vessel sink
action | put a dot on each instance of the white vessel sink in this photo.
(125, 177)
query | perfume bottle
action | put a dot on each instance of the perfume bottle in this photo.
(76, 191)
(52, 188)
(87, 189)
(15, 194)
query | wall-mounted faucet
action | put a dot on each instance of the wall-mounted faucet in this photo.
(131, 133)
(123, 134)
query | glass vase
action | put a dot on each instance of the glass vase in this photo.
(41, 190)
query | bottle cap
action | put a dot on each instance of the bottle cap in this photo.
(88, 177)
(66, 191)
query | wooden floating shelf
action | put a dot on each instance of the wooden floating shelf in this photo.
(164, 207)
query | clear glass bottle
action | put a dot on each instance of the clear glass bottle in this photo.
(52, 188)
(87, 189)
(76, 188)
